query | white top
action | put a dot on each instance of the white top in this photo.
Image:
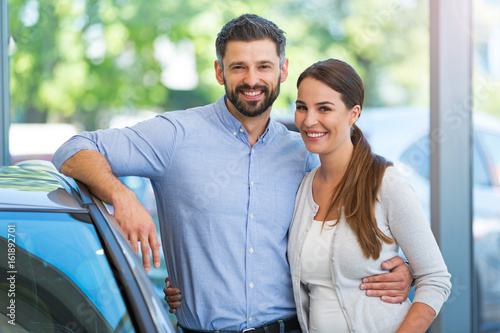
(400, 216)
(326, 314)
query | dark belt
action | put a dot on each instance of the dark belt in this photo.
(271, 327)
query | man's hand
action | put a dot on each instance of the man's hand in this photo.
(173, 296)
(137, 226)
(92, 169)
(391, 287)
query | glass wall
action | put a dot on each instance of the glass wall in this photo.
(486, 100)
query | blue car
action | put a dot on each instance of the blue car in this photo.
(65, 266)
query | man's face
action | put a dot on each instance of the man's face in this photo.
(252, 75)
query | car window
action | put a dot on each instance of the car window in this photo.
(490, 143)
(60, 279)
(417, 156)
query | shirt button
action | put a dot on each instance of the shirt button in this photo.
(250, 319)
(241, 130)
(251, 183)
(251, 250)
(251, 216)
(251, 285)
(253, 151)
(234, 133)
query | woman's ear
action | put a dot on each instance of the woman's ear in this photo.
(355, 112)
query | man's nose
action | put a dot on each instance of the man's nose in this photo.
(252, 78)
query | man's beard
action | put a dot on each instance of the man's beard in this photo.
(252, 108)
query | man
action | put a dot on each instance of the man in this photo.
(225, 179)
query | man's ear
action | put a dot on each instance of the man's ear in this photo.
(219, 72)
(284, 71)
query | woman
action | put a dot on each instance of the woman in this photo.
(351, 214)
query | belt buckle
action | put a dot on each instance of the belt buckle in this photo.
(248, 330)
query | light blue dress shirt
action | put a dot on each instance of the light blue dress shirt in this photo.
(224, 208)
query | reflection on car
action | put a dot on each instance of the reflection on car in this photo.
(66, 267)
(401, 134)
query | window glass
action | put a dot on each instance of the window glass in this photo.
(490, 142)
(486, 99)
(61, 278)
(417, 157)
(480, 172)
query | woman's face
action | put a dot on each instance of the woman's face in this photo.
(322, 117)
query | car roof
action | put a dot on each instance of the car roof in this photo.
(387, 128)
(36, 187)
(406, 124)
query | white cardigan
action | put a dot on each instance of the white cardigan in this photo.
(400, 216)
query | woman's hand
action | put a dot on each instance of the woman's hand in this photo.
(173, 296)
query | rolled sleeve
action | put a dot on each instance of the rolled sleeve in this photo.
(70, 148)
(141, 150)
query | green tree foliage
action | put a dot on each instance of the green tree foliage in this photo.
(77, 60)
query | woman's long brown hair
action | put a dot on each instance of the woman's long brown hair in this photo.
(358, 188)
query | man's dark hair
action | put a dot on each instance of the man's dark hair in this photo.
(248, 28)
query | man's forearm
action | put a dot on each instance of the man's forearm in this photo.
(91, 168)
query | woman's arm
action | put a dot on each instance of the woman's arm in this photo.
(418, 319)
(411, 230)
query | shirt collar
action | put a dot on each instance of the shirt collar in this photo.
(235, 127)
